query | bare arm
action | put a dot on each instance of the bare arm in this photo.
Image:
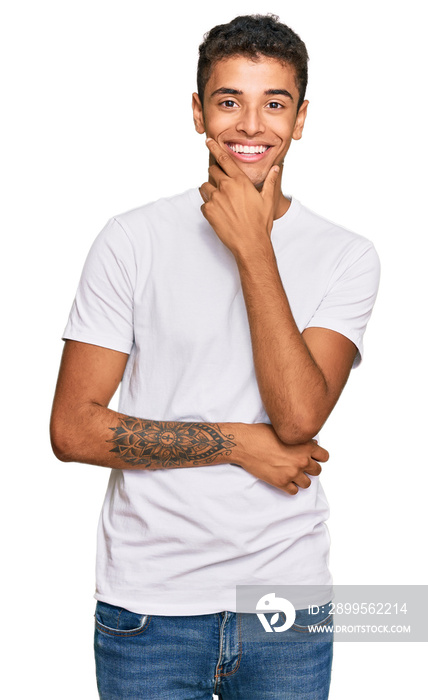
(300, 376)
(84, 429)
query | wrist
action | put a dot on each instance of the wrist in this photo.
(256, 256)
(239, 432)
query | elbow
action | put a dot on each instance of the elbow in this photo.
(295, 436)
(61, 451)
(61, 454)
(300, 430)
(60, 441)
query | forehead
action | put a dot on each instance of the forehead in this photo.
(251, 75)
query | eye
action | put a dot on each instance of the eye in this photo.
(275, 105)
(228, 103)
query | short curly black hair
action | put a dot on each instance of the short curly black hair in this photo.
(253, 36)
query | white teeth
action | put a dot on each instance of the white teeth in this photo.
(239, 148)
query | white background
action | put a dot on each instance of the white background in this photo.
(96, 120)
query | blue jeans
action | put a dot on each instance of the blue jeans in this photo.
(156, 657)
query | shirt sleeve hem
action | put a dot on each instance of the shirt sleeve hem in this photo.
(334, 325)
(102, 341)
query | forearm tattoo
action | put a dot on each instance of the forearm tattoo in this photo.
(149, 443)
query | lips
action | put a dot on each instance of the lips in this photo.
(248, 152)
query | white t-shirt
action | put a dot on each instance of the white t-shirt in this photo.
(160, 285)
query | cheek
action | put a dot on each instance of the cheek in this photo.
(286, 142)
(216, 128)
(216, 125)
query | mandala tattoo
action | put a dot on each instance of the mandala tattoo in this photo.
(149, 443)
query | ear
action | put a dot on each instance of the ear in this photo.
(300, 121)
(198, 114)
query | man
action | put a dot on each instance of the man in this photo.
(232, 315)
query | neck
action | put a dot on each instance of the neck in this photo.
(281, 203)
(281, 208)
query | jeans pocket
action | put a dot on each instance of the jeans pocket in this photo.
(119, 622)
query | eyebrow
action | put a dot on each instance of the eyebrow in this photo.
(279, 92)
(232, 91)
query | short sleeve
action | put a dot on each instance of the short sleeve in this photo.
(102, 312)
(350, 297)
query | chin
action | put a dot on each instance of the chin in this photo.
(258, 182)
(258, 179)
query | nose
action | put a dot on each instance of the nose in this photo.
(250, 122)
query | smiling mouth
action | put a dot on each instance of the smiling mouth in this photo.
(248, 153)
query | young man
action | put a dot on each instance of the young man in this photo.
(232, 315)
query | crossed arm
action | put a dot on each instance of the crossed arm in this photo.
(84, 429)
(300, 376)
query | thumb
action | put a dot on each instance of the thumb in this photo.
(270, 182)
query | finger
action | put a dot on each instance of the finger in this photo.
(224, 160)
(314, 469)
(217, 175)
(206, 190)
(291, 488)
(268, 189)
(302, 481)
(320, 454)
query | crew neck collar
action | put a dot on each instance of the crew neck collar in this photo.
(278, 224)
